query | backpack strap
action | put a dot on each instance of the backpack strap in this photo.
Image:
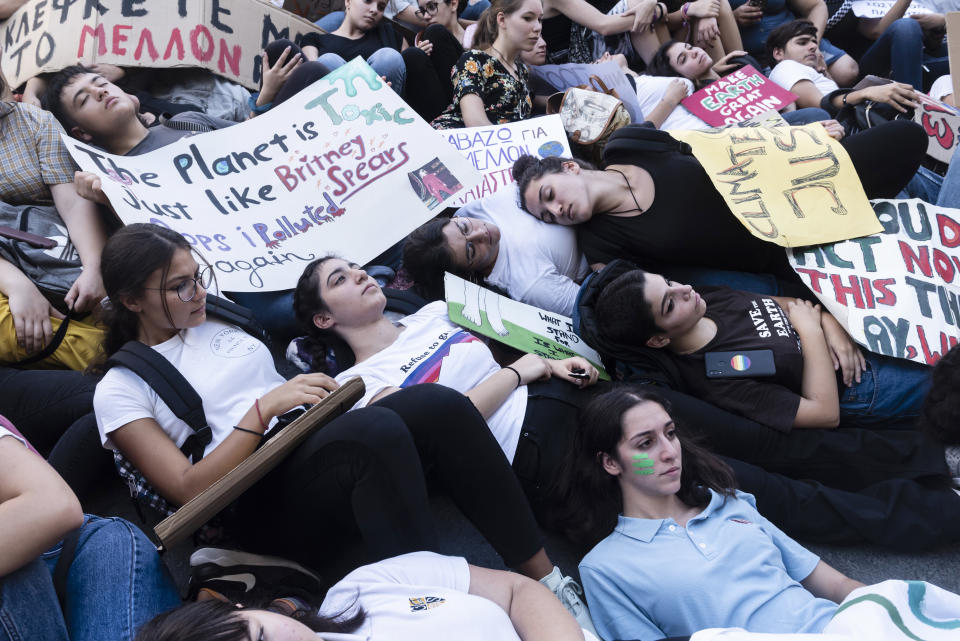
(641, 139)
(234, 314)
(50, 347)
(172, 388)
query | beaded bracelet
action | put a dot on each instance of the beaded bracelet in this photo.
(683, 13)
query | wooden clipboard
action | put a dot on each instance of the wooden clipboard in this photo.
(231, 485)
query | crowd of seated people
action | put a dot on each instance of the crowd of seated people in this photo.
(839, 446)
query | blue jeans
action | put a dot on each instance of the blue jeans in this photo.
(890, 394)
(950, 189)
(386, 62)
(805, 116)
(898, 54)
(116, 584)
(332, 21)
(473, 11)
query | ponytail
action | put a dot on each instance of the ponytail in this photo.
(487, 29)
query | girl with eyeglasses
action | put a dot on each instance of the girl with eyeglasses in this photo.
(364, 471)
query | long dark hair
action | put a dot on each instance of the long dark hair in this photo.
(528, 168)
(307, 303)
(426, 257)
(129, 257)
(487, 29)
(215, 620)
(660, 65)
(940, 417)
(592, 497)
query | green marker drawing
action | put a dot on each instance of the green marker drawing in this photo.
(642, 464)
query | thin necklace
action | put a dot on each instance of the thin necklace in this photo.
(630, 189)
(510, 69)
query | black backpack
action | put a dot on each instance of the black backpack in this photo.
(178, 394)
(640, 138)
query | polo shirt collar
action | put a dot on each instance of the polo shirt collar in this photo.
(645, 529)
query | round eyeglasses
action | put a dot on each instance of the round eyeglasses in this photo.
(187, 289)
(430, 8)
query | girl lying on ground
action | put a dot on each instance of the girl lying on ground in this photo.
(360, 472)
(421, 596)
(683, 550)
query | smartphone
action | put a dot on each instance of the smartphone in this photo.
(758, 3)
(579, 373)
(750, 362)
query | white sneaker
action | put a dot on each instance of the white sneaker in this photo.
(569, 593)
(952, 454)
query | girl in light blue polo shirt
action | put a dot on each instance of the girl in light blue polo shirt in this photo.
(686, 552)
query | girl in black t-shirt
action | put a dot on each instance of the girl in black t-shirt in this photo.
(362, 33)
(822, 377)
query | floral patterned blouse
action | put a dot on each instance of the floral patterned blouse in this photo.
(505, 98)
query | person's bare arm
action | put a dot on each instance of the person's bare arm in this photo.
(898, 95)
(807, 94)
(30, 310)
(585, 14)
(144, 443)
(37, 508)
(536, 614)
(813, 10)
(88, 235)
(872, 27)
(7, 7)
(827, 583)
(676, 92)
(471, 108)
(819, 401)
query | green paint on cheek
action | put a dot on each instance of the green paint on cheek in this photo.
(642, 464)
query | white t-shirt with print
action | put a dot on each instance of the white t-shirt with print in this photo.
(420, 596)
(227, 367)
(942, 86)
(789, 72)
(537, 263)
(650, 91)
(431, 349)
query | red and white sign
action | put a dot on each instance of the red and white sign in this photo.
(942, 124)
(738, 96)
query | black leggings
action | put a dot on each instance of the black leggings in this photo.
(53, 409)
(366, 471)
(887, 156)
(429, 88)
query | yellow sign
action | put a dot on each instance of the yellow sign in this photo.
(793, 186)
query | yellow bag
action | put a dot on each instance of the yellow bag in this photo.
(81, 344)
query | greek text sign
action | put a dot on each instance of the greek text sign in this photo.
(224, 36)
(493, 150)
(525, 327)
(791, 186)
(896, 292)
(880, 8)
(334, 169)
(738, 96)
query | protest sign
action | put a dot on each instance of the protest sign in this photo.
(524, 327)
(896, 292)
(790, 186)
(741, 95)
(493, 150)
(546, 79)
(880, 8)
(225, 37)
(942, 125)
(344, 167)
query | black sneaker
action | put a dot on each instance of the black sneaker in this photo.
(247, 578)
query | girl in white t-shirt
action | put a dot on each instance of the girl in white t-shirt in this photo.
(420, 596)
(532, 419)
(360, 472)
